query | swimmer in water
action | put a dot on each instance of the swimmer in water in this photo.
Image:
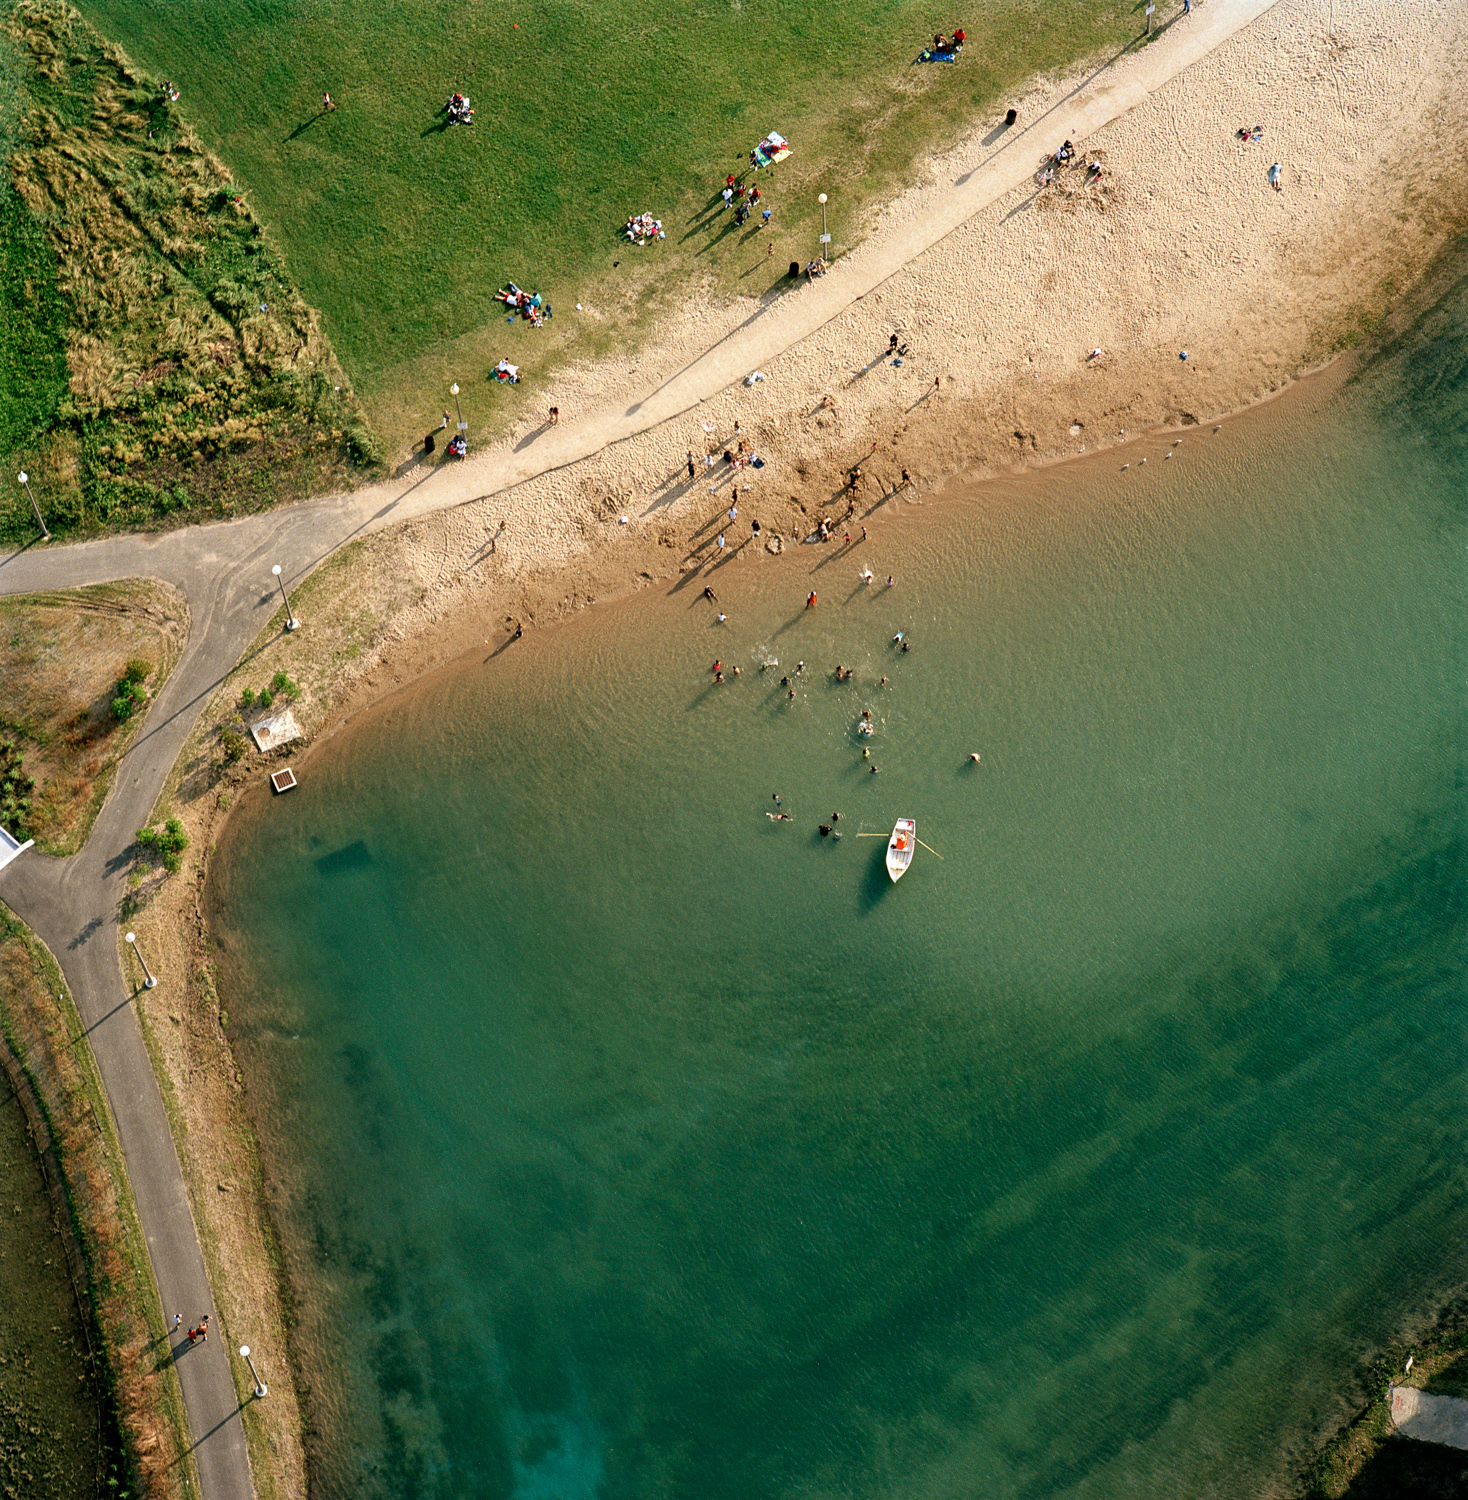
(874, 770)
(973, 754)
(897, 639)
(825, 830)
(890, 580)
(784, 682)
(791, 693)
(736, 671)
(907, 645)
(883, 683)
(776, 798)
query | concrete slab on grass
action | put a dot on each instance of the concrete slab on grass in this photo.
(1433, 1419)
(280, 729)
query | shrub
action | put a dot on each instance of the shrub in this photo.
(170, 841)
(234, 745)
(265, 700)
(282, 685)
(247, 698)
(131, 694)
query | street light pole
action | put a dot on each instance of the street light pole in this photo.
(290, 620)
(825, 238)
(261, 1389)
(25, 484)
(454, 392)
(149, 982)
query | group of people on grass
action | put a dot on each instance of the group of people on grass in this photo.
(945, 48)
(530, 305)
(641, 228)
(744, 199)
(459, 110)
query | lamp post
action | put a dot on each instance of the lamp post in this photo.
(825, 238)
(149, 982)
(25, 484)
(261, 1389)
(290, 620)
(454, 392)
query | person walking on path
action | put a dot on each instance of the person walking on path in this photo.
(692, 468)
(555, 416)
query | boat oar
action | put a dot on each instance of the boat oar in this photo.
(931, 850)
(873, 835)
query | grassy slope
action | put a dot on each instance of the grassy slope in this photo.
(401, 230)
(153, 355)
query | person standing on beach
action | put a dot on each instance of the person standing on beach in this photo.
(555, 416)
(1274, 175)
(692, 468)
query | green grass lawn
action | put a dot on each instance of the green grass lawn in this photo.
(400, 230)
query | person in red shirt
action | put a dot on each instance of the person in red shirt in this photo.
(958, 39)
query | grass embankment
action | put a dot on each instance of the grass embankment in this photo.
(401, 229)
(1366, 1461)
(155, 358)
(43, 1034)
(62, 657)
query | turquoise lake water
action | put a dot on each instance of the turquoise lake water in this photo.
(629, 1144)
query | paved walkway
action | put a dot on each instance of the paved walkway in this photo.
(224, 572)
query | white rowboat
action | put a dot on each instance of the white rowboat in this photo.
(900, 847)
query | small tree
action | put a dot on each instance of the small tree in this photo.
(131, 694)
(170, 841)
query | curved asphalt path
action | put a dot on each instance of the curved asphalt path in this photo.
(224, 571)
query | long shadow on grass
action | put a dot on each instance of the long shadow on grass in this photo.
(305, 125)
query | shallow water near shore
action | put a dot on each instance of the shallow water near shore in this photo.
(628, 1143)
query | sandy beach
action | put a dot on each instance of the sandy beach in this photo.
(1182, 245)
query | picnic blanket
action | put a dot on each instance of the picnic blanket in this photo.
(773, 148)
(931, 56)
